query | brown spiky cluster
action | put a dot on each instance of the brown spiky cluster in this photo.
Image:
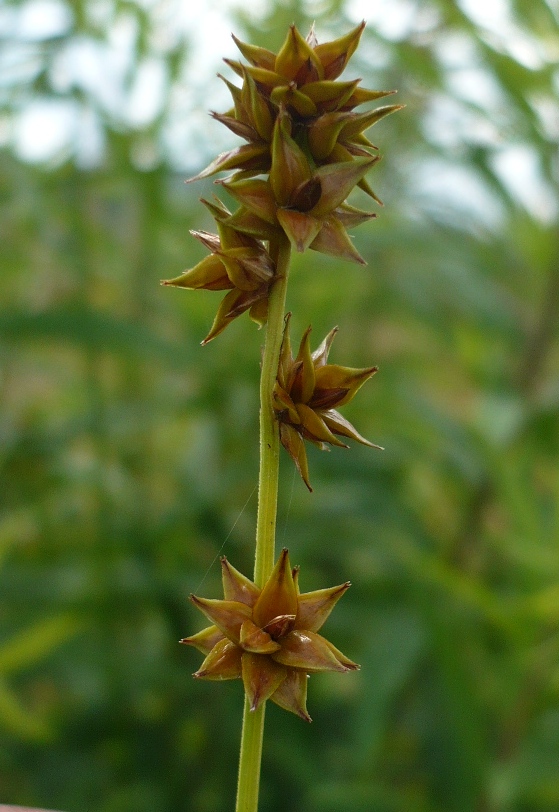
(305, 151)
(268, 637)
(307, 393)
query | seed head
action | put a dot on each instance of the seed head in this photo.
(305, 151)
(268, 637)
(300, 80)
(306, 395)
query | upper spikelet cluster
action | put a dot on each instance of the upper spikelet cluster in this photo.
(305, 151)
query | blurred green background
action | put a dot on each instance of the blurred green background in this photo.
(129, 453)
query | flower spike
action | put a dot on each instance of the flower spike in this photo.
(269, 637)
(305, 150)
(306, 395)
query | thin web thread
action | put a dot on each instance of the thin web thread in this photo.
(288, 507)
(227, 537)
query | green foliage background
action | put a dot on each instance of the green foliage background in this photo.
(129, 453)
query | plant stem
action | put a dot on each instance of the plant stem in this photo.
(269, 433)
(253, 721)
(250, 758)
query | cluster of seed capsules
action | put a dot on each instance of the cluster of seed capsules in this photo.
(268, 637)
(305, 151)
(303, 135)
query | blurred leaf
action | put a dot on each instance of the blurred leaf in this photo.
(37, 642)
(394, 645)
(91, 329)
(19, 721)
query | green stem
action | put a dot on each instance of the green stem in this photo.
(250, 758)
(253, 721)
(269, 433)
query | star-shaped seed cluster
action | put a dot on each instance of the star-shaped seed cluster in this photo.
(268, 637)
(307, 395)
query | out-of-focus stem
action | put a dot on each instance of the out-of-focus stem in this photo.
(253, 721)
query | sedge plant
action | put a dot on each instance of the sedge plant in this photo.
(305, 150)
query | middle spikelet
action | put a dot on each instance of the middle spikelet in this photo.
(307, 393)
(305, 151)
